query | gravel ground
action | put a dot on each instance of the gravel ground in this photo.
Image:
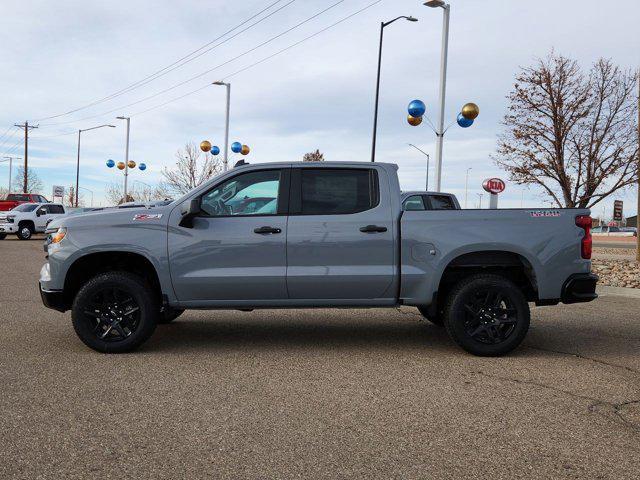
(315, 394)
(630, 252)
(616, 267)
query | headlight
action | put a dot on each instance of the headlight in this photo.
(58, 235)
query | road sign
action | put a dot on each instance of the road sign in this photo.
(58, 191)
(617, 210)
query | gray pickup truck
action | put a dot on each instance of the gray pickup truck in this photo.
(314, 235)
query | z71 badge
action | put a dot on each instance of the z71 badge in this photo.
(545, 213)
(147, 216)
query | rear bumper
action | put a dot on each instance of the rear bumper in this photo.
(53, 299)
(580, 287)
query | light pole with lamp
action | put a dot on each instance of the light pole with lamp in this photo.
(225, 161)
(78, 160)
(10, 160)
(466, 186)
(427, 155)
(480, 199)
(126, 155)
(443, 83)
(375, 108)
(90, 191)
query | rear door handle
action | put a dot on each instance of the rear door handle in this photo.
(266, 230)
(373, 229)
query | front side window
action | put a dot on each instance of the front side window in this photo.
(337, 191)
(25, 207)
(252, 193)
(414, 202)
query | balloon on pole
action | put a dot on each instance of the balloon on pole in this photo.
(236, 147)
(215, 150)
(142, 167)
(464, 122)
(414, 121)
(245, 150)
(205, 146)
(110, 163)
(131, 164)
(470, 111)
(121, 165)
(417, 108)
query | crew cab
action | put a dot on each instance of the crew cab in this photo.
(29, 218)
(12, 200)
(333, 235)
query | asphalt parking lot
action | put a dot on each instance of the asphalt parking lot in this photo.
(315, 394)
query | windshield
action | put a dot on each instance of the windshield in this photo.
(25, 207)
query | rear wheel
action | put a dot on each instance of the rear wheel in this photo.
(24, 232)
(435, 319)
(114, 312)
(487, 315)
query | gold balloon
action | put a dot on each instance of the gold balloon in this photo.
(245, 150)
(205, 146)
(470, 111)
(131, 164)
(120, 165)
(414, 121)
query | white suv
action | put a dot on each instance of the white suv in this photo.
(29, 218)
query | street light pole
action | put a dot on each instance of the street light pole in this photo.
(10, 168)
(466, 186)
(428, 158)
(126, 156)
(78, 159)
(480, 199)
(443, 84)
(225, 161)
(375, 108)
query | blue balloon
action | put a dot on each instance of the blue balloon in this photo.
(142, 166)
(215, 150)
(464, 122)
(111, 163)
(236, 147)
(417, 108)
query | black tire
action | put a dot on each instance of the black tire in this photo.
(25, 232)
(100, 317)
(3, 236)
(487, 315)
(168, 315)
(436, 320)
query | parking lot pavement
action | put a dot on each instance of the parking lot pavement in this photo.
(321, 393)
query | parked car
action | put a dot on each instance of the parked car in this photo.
(612, 231)
(29, 218)
(14, 199)
(417, 200)
(335, 236)
(633, 230)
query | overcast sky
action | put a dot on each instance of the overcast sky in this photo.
(60, 56)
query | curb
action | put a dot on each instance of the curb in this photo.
(606, 291)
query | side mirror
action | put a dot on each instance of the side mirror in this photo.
(189, 209)
(39, 212)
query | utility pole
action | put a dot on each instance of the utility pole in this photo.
(26, 127)
(225, 161)
(638, 173)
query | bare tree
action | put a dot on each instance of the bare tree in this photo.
(313, 156)
(191, 170)
(115, 194)
(34, 184)
(570, 133)
(3, 193)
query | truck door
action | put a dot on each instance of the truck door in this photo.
(236, 248)
(340, 238)
(43, 216)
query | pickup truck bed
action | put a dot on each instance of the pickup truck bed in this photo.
(319, 234)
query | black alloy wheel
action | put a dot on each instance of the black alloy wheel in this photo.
(113, 313)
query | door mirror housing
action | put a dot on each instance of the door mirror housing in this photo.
(39, 212)
(189, 210)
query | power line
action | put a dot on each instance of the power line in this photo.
(262, 60)
(206, 72)
(181, 61)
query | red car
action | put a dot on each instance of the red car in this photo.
(14, 199)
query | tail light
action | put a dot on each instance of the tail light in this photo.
(586, 245)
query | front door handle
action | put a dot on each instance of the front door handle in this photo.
(266, 230)
(373, 229)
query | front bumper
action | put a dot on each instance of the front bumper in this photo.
(580, 287)
(8, 228)
(53, 299)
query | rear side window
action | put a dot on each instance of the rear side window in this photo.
(328, 191)
(441, 202)
(56, 209)
(16, 197)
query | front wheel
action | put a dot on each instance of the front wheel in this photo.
(3, 236)
(487, 315)
(24, 232)
(114, 312)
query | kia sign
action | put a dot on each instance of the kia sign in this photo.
(493, 185)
